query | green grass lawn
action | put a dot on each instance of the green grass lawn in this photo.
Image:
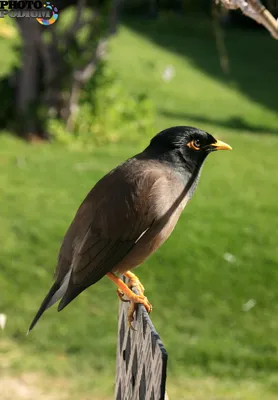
(221, 258)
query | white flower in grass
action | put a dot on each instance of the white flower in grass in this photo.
(248, 305)
(168, 73)
(3, 319)
(229, 258)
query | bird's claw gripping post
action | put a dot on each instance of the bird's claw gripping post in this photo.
(130, 318)
(134, 299)
(121, 294)
(134, 282)
(140, 299)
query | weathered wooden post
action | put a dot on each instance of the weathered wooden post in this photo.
(141, 358)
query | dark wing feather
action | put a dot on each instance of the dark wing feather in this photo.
(90, 270)
(107, 226)
(99, 259)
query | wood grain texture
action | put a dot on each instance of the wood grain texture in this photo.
(141, 358)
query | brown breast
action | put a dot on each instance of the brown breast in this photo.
(169, 199)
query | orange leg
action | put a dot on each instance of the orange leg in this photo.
(134, 282)
(124, 290)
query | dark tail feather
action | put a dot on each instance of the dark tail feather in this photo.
(71, 293)
(48, 302)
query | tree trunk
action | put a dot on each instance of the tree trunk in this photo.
(114, 16)
(49, 83)
(29, 78)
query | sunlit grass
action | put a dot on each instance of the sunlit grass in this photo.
(222, 254)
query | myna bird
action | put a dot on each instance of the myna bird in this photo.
(128, 214)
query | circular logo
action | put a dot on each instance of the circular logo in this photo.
(54, 16)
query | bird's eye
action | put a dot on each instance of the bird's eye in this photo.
(197, 143)
(194, 144)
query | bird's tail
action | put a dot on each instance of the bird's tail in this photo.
(56, 292)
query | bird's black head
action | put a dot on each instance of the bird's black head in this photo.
(184, 146)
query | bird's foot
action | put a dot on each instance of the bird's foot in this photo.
(133, 298)
(130, 315)
(137, 299)
(134, 282)
(121, 294)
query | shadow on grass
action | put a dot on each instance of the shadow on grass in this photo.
(236, 122)
(252, 54)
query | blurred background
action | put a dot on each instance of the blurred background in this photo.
(77, 98)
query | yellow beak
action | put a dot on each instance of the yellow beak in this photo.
(219, 145)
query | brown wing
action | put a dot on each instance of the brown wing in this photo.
(106, 227)
(99, 257)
